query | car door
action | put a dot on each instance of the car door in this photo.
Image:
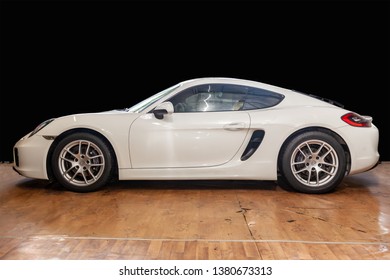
(189, 139)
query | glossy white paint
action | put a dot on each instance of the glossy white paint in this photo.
(202, 145)
(184, 140)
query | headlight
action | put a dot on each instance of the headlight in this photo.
(40, 126)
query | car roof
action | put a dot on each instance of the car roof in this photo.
(229, 80)
(299, 97)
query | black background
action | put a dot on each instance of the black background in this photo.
(68, 57)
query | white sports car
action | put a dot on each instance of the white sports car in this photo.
(205, 129)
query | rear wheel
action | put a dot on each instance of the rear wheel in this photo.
(312, 162)
(82, 162)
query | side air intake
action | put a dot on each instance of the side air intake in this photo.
(254, 143)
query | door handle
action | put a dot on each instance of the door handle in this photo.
(234, 126)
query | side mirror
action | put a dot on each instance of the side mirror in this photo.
(165, 108)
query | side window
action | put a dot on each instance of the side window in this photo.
(223, 97)
(258, 98)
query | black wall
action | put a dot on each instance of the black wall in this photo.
(69, 57)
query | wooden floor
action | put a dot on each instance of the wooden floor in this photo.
(209, 220)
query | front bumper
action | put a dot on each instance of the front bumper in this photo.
(30, 156)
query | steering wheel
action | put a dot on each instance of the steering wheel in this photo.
(180, 107)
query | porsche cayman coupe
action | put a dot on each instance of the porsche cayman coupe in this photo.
(205, 129)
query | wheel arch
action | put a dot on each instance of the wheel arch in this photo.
(49, 169)
(338, 138)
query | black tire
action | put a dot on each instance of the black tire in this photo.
(312, 162)
(82, 162)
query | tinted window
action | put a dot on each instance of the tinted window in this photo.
(223, 97)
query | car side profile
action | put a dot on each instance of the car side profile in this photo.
(205, 129)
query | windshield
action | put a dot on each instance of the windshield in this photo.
(147, 102)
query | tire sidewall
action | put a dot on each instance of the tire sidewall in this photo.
(287, 153)
(107, 172)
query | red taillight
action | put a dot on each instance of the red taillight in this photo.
(357, 120)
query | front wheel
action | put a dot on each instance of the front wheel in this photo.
(82, 162)
(312, 162)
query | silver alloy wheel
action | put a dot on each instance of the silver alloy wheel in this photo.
(81, 162)
(314, 163)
